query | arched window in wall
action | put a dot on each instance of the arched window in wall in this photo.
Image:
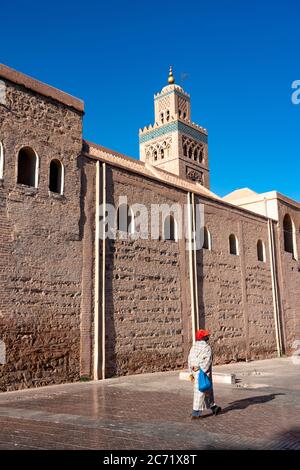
(233, 245)
(170, 228)
(261, 252)
(289, 236)
(125, 219)
(185, 150)
(167, 115)
(28, 164)
(206, 239)
(56, 177)
(1, 160)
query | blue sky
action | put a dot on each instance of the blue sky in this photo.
(239, 59)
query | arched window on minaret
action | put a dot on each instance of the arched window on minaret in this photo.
(185, 140)
(201, 156)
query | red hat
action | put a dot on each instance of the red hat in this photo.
(200, 334)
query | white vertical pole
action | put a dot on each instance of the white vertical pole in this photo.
(274, 288)
(103, 271)
(96, 294)
(191, 265)
(195, 265)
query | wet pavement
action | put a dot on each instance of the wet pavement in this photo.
(152, 412)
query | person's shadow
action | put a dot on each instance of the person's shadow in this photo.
(245, 402)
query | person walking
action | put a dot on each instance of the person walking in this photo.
(200, 357)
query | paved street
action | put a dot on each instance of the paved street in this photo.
(152, 411)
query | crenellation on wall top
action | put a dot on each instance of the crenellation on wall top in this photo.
(156, 125)
(171, 89)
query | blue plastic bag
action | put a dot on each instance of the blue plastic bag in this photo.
(204, 383)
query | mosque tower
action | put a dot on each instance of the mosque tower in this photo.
(174, 143)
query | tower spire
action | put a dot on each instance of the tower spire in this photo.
(171, 79)
(174, 143)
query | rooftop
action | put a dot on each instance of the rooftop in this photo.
(42, 88)
(246, 196)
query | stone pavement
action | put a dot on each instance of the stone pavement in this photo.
(152, 412)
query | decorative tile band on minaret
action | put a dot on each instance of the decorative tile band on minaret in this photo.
(173, 127)
(174, 143)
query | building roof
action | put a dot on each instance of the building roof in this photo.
(239, 194)
(260, 203)
(41, 88)
(98, 152)
(245, 196)
(146, 169)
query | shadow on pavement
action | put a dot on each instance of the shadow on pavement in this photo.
(289, 440)
(245, 402)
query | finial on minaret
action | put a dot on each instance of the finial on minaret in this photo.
(171, 79)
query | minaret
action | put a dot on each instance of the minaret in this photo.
(174, 143)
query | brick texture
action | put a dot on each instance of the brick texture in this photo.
(47, 265)
(41, 256)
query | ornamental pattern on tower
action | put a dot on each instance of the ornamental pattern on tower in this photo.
(182, 108)
(194, 175)
(192, 149)
(174, 143)
(159, 150)
(164, 103)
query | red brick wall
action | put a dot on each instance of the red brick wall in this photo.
(41, 256)
(235, 292)
(146, 288)
(148, 312)
(289, 276)
(47, 267)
